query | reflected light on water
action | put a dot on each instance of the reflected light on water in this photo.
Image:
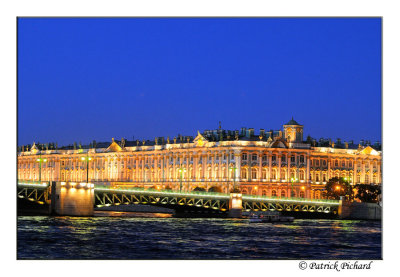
(125, 235)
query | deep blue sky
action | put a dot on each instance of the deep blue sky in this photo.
(85, 79)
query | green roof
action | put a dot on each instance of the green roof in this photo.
(292, 122)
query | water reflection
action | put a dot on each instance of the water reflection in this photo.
(121, 235)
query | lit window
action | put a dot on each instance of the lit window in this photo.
(274, 173)
(283, 174)
(264, 173)
(244, 156)
(244, 173)
(253, 173)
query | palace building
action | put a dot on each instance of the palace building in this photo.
(272, 163)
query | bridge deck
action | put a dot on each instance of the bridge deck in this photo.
(108, 195)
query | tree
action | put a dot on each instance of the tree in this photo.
(368, 193)
(337, 187)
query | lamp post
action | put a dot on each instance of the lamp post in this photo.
(233, 169)
(87, 159)
(181, 170)
(293, 179)
(40, 161)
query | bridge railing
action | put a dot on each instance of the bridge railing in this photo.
(155, 191)
(32, 183)
(206, 193)
(297, 199)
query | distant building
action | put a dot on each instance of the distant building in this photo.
(273, 163)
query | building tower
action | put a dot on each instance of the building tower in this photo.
(293, 131)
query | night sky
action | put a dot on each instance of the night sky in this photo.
(94, 79)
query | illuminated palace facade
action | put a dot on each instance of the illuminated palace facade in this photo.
(272, 163)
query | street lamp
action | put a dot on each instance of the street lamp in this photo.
(181, 170)
(40, 161)
(87, 159)
(233, 169)
(293, 179)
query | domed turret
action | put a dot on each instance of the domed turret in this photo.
(293, 131)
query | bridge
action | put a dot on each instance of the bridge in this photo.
(92, 195)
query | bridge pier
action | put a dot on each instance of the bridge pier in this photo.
(235, 205)
(72, 199)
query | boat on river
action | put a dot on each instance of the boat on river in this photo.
(269, 217)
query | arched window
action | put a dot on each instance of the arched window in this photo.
(283, 174)
(274, 173)
(292, 173)
(302, 194)
(264, 173)
(317, 177)
(302, 175)
(283, 193)
(367, 178)
(232, 172)
(253, 173)
(264, 192)
(374, 179)
(244, 173)
(317, 195)
(244, 191)
(273, 193)
(216, 175)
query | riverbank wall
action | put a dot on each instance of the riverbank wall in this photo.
(355, 210)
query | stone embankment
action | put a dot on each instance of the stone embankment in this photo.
(355, 210)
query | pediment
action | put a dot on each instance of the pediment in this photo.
(369, 151)
(199, 140)
(114, 147)
(34, 148)
(278, 144)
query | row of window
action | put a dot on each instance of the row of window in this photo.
(254, 157)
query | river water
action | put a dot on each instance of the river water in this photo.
(121, 235)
